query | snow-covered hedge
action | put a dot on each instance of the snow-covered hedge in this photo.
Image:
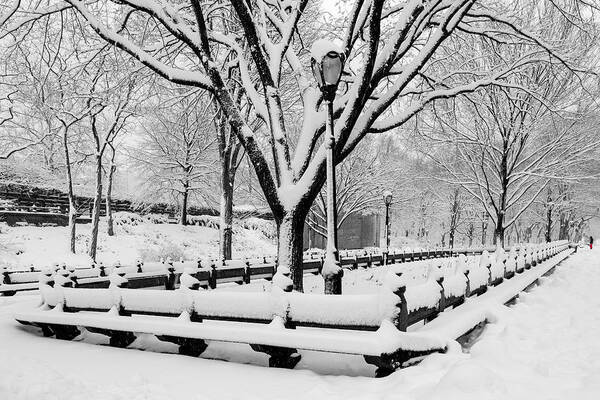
(156, 218)
(123, 218)
(209, 221)
(267, 228)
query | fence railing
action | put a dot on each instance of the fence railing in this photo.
(209, 272)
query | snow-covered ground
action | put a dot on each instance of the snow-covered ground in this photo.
(41, 246)
(544, 347)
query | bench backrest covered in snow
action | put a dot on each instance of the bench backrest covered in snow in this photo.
(209, 272)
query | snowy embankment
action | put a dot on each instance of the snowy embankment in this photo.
(544, 347)
(24, 245)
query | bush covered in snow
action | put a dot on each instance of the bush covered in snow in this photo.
(267, 228)
(156, 218)
(123, 218)
(208, 221)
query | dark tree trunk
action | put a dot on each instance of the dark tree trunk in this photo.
(226, 214)
(72, 206)
(184, 205)
(96, 210)
(549, 217)
(499, 230)
(470, 233)
(229, 152)
(563, 229)
(484, 227)
(109, 214)
(454, 216)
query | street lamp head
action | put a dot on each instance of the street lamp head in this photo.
(327, 63)
(387, 197)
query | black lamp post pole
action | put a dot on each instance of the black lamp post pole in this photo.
(333, 283)
(387, 232)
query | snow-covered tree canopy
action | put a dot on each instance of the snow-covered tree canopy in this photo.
(398, 57)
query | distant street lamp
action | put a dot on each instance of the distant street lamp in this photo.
(387, 200)
(327, 62)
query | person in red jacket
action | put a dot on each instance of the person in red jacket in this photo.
(591, 242)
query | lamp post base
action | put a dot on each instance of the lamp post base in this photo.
(332, 275)
(333, 283)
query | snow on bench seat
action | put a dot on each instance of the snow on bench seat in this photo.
(18, 287)
(352, 311)
(24, 277)
(161, 302)
(95, 299)
(259, 307)
(383, 341)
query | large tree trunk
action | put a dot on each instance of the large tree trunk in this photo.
(72, 206)
(96, 211)
(290, 232)
(109, 214)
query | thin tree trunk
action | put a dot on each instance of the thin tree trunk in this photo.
(109, 214)
(470, 234)
(549, 225)
(484, 226)
(226, 215)
(563, 228)
(228, 155)
(184, 204)
(72, 207)
(499, 231)
(549, 217)
(454, 217)
(96, 210)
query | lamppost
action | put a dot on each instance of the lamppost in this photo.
(387, 200)
(327, 62)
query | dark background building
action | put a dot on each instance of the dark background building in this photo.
(357, 231)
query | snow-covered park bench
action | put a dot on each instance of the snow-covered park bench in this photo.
(158, 275)
(281, 324)
(33, 215)
(210, 273)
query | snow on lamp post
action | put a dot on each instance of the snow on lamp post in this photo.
(387, 200)
(327, 62)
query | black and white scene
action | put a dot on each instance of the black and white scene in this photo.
(299, 199)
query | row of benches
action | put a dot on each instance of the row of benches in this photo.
(278, 323)
(238, 271)
(14, 214)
